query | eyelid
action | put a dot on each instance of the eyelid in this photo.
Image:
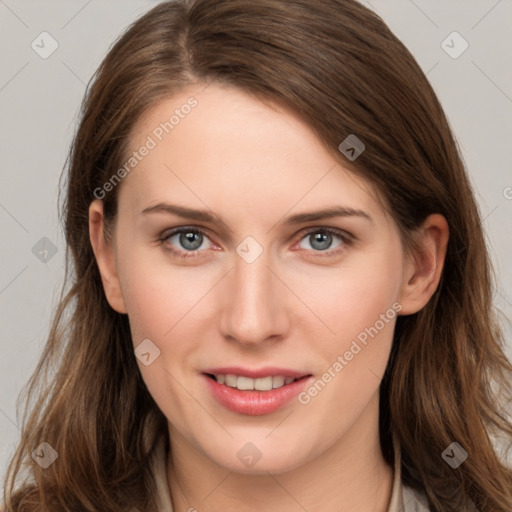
(167, 233)
(344, 235)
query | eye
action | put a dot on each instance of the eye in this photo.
(321, 239)
(188, 240)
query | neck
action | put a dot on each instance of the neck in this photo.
(350, 475)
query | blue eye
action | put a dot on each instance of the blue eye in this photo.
(321, 239)
(190, 239)
(187, 242)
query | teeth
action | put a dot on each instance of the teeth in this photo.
(230, 380)
(279, 381)
(260, 384)
(245, 383)
(264, 383)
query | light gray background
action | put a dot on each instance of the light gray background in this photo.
(39, 100)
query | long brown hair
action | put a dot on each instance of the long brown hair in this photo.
(337, 65)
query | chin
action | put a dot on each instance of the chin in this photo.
(258, 458)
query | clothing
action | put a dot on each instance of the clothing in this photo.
(403, 498)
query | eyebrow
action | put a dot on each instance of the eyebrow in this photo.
(207, 216)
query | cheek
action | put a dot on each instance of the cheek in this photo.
(353, 298)
(149, 304)
(359, 305)
(159, 300)
(361, 310)
(362, 299)
(158, 296)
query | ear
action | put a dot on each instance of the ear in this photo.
(105, 257)
(424, 265)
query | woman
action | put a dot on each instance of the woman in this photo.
(281, 294)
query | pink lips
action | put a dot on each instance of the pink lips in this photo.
(254, 374)
(254, 402)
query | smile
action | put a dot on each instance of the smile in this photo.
(247, 383)
(256, 392)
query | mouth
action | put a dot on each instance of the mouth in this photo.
(255, 392)
(248, 384)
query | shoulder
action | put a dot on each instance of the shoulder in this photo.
(414, 500)
(159, 470)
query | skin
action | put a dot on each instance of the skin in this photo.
(296, 306)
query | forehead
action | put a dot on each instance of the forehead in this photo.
(222, 146)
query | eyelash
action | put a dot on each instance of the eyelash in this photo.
(345, 237)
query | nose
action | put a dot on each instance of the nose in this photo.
(254, 304)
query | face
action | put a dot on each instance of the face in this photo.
(252, 286)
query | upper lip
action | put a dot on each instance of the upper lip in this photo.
(268, 371)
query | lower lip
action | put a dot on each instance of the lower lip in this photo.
(252, 402)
